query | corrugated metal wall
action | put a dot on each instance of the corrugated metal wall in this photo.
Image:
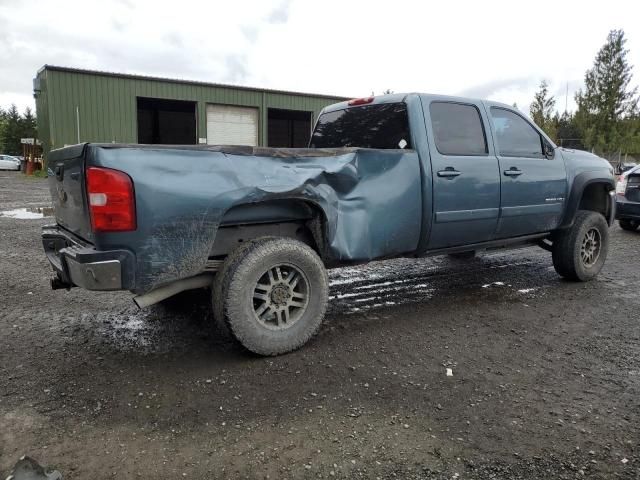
(106, 108)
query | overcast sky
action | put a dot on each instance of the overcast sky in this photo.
(488, 49)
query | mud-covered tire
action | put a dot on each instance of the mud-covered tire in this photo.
(221, 276)
(570, 252)
(242, 280)
(629, 225)
(462, 255)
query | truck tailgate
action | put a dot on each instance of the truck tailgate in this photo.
(633, 188)
(67, 186)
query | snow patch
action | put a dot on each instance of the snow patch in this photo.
(526, 290)
(30, 213)
(21, 214)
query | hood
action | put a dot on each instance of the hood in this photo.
(581, 161)
(583, 157)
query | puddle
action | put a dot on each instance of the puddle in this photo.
(28, 213)
(186, 323)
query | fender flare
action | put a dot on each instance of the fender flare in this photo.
(580, 183)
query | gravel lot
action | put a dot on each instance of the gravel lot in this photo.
(545, 384)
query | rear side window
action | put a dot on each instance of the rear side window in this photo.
(383, 126)
(458, 129)
(514, 135)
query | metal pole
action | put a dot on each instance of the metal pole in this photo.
(78, 121)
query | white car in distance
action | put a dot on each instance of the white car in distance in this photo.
(9, 162)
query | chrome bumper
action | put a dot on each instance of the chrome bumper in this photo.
(78, 264)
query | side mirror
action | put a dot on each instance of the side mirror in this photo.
(548, 150)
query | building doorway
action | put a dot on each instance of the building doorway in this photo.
(288, 128)
(167, 122)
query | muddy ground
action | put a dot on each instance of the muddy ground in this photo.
(545, 384)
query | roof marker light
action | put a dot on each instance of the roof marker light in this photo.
(360, 101)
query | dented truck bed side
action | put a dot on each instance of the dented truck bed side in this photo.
(370, 200)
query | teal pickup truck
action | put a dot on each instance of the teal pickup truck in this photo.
(397, 175)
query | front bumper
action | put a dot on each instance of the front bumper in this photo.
(78, 263)
(627, 210)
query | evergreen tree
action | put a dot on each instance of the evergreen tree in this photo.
(28, 124)
(608, 99)
(3, 124)
(11, 133)
(567, 132)
(542, 110)
(13, 127)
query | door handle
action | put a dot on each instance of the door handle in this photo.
(59, 172)
(449, 172)
(513, 172)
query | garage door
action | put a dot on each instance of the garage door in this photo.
(231, 125)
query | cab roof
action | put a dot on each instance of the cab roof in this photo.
(401, 97)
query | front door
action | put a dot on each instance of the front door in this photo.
(533, 177)
(466, 181)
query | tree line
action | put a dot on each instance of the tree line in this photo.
(13, 127)
(607, 118)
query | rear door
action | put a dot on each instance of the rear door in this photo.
(466, 181)
(534, 186)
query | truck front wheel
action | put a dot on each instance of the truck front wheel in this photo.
(580, 252)
(273, 295)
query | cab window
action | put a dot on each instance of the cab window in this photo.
(515, 136)
(384, 126)
(458, 129)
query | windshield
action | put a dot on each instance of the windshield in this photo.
(383, 126)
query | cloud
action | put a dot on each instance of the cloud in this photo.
(237, 71)
(488, 89)
(173, 39)
(118, 25)
(127, 3)
(280, 14)
(333, 47)
(250, 32)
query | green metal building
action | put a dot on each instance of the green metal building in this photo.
(76, 106)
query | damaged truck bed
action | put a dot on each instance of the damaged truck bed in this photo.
(397, 175)
(194, 204)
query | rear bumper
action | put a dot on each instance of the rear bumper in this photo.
(627, 210)
(77, 263)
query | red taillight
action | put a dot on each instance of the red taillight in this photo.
(621, 185)
(111, 200)
(360, 101)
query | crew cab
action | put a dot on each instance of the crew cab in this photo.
(400, 175)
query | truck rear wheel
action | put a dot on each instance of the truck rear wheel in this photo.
(272, 295)
(629, 225)
(580, 252)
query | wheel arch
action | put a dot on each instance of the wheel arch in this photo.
(590, 191)
(297, 218)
